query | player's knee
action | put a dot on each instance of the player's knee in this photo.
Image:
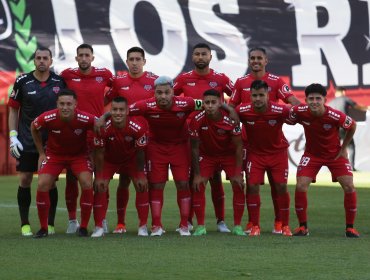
(253, 189)
(25, 179)
(182, 185)
(281, 188)
(348, 188)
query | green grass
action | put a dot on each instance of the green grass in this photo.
(325, 254)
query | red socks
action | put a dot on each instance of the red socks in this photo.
(123, 195)
(218, 199)
(100, 201)
(199, 204)
(71, 195)
(301, 206)
(350, 206)
(184, 202)
(86, 203)
(142, 207)
(43, 205)
(283, 201)
(238, 204)
(156, 204)
(253, 206)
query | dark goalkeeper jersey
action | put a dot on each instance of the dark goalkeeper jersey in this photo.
(33, 98)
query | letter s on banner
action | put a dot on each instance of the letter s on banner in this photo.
(171, 59)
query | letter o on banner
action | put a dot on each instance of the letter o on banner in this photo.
(171, 59)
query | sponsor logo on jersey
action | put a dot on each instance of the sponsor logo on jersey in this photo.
(204, 128)
(134, 125)
(50, 117)
(83, 117)
(147, 87)
(56, 89)
(180, 115)
(213, 84)
(99, 79)
(76, 79)
(272, 122)
(327, 126)
(151, 104)
(191, 84)
(154, 116)
(32, 92)
(78, 131)
(55, 131)
(247, 89)
(333, 115)
(348, 122)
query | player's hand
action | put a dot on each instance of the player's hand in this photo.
(342, 153)
(141, 184)
(238, 180)
(99, 123)
(15, 145)
(100, 185)
(234, 116)
(42, 160)
(197, 181)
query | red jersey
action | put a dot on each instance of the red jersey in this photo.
(65, 138)
(193, 85)
(264, 130)
(322, 133)
(90, 88)
(278, 89)
(133, 89)
(166, 126)
(121, 143)
(215, 136)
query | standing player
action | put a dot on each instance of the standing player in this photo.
(33, 93)
(89, 83)
(267, 150)
(66, 148)
(216, 144)
(121, 150)
(321, 125)
(193, 84)
(278, 89)
(134, 86)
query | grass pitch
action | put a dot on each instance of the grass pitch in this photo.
(325, 254)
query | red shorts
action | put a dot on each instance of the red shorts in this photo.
(310, 165)
(54, 165)
(276, 164)
(208, 165)
(162, 156)
(127, 168)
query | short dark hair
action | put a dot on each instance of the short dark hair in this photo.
(42, 49)
(119, 99)
(202, 45)
(263, 50)
(136, 49)
(258, 84)
(211, 92)
(67, 92)
(315, 88)
(85, 46)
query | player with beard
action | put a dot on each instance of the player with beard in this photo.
(89, 83)
(278, 90)
(193, 84)
(33, 93)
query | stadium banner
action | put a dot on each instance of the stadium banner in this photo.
(324, 41)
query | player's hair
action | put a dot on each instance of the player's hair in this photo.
(258, 84)
(202, 45)
(67, 92)
(136, 49)
(119, 99)
(85, 46)
(315, 88)
(263, 50)
(163, 80)
(211, 92)
(42, 49)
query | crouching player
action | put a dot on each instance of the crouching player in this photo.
(65, 148)
(321, 127)
(121, 150)
(216, 145)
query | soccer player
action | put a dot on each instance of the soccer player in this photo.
(193, 84)
(216, 144)
(278, 90)
(167, 146)
(267, 150)
(66, 148)
(33, 93)
(121, 150)
(89, 83)
(321, 125)
(135, 85)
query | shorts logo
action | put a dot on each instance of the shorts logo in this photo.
(213, 84)
(147, 87)
(78, 131)
(56, 89)
(327, 126)
(180, 115)
(272, 122)
(99, 79)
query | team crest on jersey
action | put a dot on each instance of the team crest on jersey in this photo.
(213, 84)
(147, 87)
(327, 126)
(78, 131)
(180, 115)
(56, 89)
(99, 79)
(128, 138)
(272, 122)
(347, 122)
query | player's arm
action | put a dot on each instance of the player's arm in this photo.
(15, 145)
(37, 140)
(232, 113)
(238, 177)
(293, 100)
(346, 140)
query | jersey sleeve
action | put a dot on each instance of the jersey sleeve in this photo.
(178, 84)
(138, 108)
(293, 117)
(228, 86)
(235, 99)
(113, 91)
(15, 98)
(39, 122)
(284, 91)
(193, 128)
